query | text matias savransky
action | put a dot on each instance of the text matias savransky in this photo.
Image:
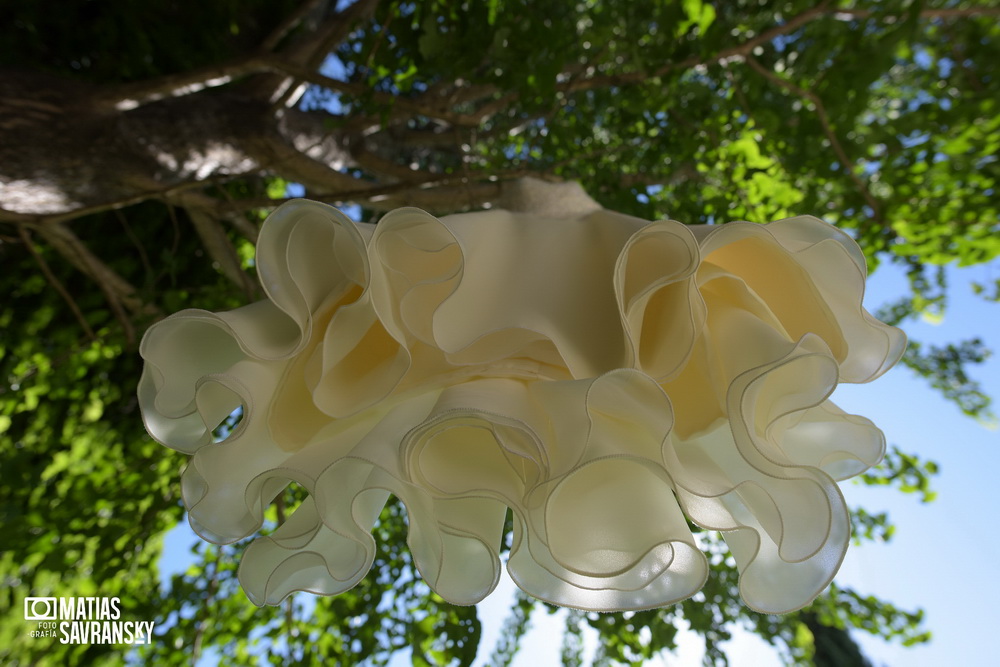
(85, 620)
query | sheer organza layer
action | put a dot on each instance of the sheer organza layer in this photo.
(604, 377)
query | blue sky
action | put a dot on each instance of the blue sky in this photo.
(943, 556)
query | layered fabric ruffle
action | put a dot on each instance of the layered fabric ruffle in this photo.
(605, 378)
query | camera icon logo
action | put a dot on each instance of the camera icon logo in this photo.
(40, 609)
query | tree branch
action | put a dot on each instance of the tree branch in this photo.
(743, 49)
(67, 244)
(360, 91)
(211, 590)
(220, 249)
(290, 23)
(336, 30)
(54, 282)
(131, 95)
(746, 48)
(388, 169)
(297, 166)
(311, 51)
(143, 257)
(238, 220)
(824, 120)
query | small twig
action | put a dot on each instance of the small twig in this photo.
(741, 97)
(220, 249)
(113, 301)
(172, 214)
(491, 108)
(290, 23)
(67, 244)
(381, 167)
(824, 120)
(213, 587)
(289, 620)
(51, 278)
(467, 176)
(238, 219)
(338, 28)
(143, 257)
(409, 105)
(311, 52)
(695, 129)
(383, 29)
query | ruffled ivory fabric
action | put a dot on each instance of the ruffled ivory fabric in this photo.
(604, 377)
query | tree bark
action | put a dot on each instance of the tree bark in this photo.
(61, 153)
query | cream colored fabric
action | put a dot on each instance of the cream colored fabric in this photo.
(602, 376)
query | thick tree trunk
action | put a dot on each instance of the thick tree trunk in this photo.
(65, 151)
(60, 152)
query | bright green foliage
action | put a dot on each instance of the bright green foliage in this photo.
(885, 124)
(906, 472)
(945, 367)
(514, 628)
(880, 117)
(85, 494)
